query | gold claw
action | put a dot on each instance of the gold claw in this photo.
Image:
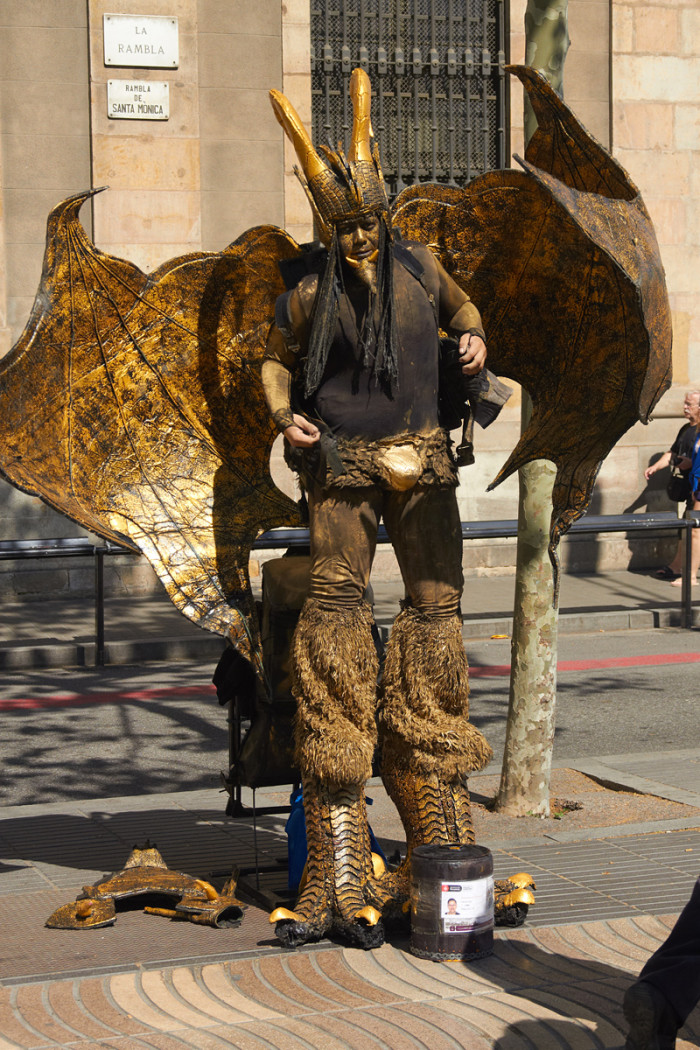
(378, 866)
(522, 879)
(281, 914)
(211, 893)
(369, 914)
(523, 896)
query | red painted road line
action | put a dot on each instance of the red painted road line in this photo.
(596, 665)
(494, 671)
(117, 697)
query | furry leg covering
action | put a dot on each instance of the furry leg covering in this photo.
(335, 668)
(425, 707)
(429, 745)
(338, 870)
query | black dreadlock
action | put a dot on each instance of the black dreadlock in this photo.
(325, 316)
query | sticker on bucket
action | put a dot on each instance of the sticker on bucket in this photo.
(466, 906)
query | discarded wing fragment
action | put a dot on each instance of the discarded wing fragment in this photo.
(145, 874)
(83, 914)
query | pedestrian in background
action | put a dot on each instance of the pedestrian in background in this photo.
(679, 486)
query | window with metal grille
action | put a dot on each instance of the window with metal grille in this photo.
(438, 83)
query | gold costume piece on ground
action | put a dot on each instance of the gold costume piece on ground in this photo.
(146, 875)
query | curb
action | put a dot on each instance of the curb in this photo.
(206, 646)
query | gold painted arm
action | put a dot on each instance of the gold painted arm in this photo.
(277, 384)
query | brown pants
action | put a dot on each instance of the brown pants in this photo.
(424, 527)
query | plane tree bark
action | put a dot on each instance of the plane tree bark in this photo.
(527, 759)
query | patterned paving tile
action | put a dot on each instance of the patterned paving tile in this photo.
(542, 989)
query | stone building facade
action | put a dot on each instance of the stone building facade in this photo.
(219, 165)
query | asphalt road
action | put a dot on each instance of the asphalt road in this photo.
(79, 734)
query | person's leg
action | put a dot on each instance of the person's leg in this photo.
(335, 667)
(694, 553)
(676, 566)
(428, 743)
(668, 987)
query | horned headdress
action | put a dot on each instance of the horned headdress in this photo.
(346, 188)
(339, 187)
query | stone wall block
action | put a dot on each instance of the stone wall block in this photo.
(147, 216)
(667, 176)
(241, 17)
(244, 162)
(656, 29)
(298, 210)
(687, 127)
(661, 78)
(127, 162)
(296, 50)
(42, 161)
(644, 125)
(66, 14)
(29, 108)
(689, 35)
(27, 209)
(226, 216)
(57, 55)
(670, 220)
(296, 11)
(236, 114)
(239, 62)
(682, 269)
(622, 27)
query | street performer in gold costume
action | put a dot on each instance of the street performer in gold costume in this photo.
(351, 378)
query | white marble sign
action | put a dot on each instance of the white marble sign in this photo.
(138, 100)
(141, 40)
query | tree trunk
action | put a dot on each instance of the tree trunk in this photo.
(527, 759)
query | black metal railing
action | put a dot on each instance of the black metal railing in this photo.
(18, 550)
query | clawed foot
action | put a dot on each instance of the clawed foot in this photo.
(364, 930)
(390, 892)
(321, 910)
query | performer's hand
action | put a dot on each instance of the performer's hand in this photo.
(472, 354)
(302, 433)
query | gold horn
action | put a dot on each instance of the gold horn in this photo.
(361, 95)
(313, 169)
(311, 163)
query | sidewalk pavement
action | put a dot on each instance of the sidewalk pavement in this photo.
(606, 895)
(58, 633)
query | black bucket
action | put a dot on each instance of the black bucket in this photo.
(451, 902)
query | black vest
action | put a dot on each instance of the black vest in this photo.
(350, 400)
